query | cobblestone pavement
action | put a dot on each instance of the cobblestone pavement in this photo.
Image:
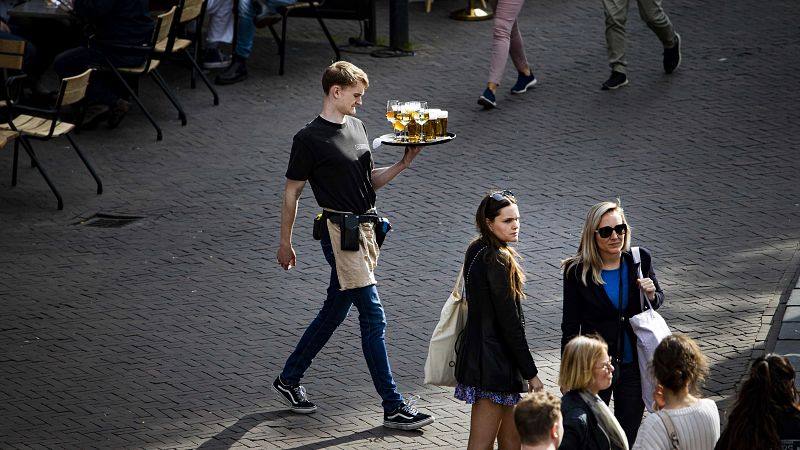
(166, 333)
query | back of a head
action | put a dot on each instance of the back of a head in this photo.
(768, 391)
(535, 416)
(678, 362)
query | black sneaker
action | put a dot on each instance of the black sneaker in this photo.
(214, 58)
(487, 99)
(615, 81)
(672, 56)
(294, 395)
(406, 417)
(235, 73)
(264, 16)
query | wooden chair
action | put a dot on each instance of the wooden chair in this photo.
(45, 124)
(300, 9)
(187, 11)
(160, 38)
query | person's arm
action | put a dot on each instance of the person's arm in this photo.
(649, 284)
(576, 429)
(383, 175)
(570, 309)
(511, 331)
(291, 197)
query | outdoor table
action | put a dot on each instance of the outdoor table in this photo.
(39, 9)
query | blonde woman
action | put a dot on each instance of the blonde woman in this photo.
(601, 292)
(494, 364)
(586, 370)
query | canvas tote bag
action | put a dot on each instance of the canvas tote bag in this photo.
(440, 366)
(650, 328)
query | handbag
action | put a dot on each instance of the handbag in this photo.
(650, 328)
(440, 366)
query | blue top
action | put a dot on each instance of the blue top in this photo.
(611, 278)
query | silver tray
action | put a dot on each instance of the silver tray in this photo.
(388, 139)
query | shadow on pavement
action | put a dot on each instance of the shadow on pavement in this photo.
(228, 437)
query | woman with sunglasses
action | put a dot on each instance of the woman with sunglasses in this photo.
(494, 364)
(601, 292)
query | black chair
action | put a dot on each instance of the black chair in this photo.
(45, 124)
(149, 67)
(300, 9)
(188, 11)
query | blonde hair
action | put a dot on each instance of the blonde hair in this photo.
(487, 211)
(343, 73)
(578, 361)
(588, 255)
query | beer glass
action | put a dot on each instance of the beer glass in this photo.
(422, 118)
(430, 126)
(405, 118)
(392, 111)
(414, 128)
(443, 122)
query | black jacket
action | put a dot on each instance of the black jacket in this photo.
(119, 22)
(493, 352)
(587, 309)
(581, 430)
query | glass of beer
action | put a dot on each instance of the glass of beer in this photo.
(422, 116)
(392, 111)
(443, 122)
(430, 127)
(405, 118)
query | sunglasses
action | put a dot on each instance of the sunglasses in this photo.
(499, 196)
(605, 232)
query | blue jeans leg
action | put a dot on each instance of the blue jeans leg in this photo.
(373, 325)
(246, 29)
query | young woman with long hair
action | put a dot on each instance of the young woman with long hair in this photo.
(767, 413)
(494, 364)
(601, 292)
(680, 367)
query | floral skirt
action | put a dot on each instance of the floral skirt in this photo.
(471, 394)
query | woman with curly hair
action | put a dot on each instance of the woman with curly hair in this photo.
(680, 367)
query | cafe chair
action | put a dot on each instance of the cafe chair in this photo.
(300, 9)
(45, 124)
(149, 67)
(187, 11)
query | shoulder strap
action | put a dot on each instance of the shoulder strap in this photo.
(672, 436)
(637, 259)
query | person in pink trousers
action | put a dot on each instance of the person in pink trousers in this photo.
(507, 41)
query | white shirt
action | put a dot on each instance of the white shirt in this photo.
(697, 427)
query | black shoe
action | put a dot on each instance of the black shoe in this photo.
(295, 396)
(406, 417)
(487, 99)
(214, 58)
(615, 81)
(118, 112)
(94, 115)
(672, 56)
(235, 73)
(264, 17)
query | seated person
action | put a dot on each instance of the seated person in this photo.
(538, 421)
(110, 24)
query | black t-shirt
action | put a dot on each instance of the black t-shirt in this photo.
(336, 161)
(789, 430)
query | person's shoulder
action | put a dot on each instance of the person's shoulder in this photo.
(573, 405)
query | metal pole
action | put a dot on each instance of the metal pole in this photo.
(398, 24)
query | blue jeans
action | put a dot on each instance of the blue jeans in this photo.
(246, 30)
(373, 325)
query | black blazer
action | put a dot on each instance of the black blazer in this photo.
(587, 309)
(581, 430)
(493, 352)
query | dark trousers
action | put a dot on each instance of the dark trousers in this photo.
(103, 88)
(628, 404)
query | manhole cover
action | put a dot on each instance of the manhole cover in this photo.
(108, 221)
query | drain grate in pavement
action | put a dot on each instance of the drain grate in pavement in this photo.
(100, 220)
